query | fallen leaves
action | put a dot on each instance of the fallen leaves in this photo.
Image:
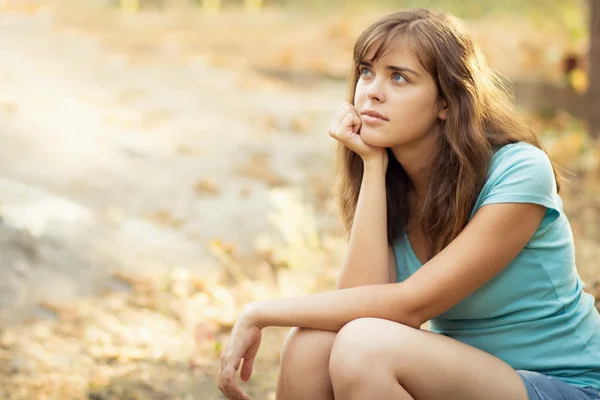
(185, 150)
(207, 186)
(165, 218)
(156, 117)
(9, 108)
(302, 123)
(179, 319)
(258, 167)
(224, 253)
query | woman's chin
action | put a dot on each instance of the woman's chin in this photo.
(372, 138)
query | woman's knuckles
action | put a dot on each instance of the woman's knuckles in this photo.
(345, 124)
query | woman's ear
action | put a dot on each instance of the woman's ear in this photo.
(443, 114)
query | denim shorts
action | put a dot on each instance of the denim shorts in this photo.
(543, 387)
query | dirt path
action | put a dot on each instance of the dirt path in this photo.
(113, 170)
(108, 166)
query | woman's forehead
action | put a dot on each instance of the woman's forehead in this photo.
(397, 51)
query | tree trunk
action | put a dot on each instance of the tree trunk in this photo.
(594, 88)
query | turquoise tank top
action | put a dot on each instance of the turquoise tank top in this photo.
(534, 314)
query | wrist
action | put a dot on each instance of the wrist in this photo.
(375, 160)
(251, 314)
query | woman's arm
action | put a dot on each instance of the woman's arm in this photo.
(332, 310)
(367, 260)
(495, 235)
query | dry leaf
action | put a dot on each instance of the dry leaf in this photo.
(207, 186)
(245, 191)
(165, 218)
(156, 117)
(257, 167)
(228, 248)
(184, 150)
(267, 122)
(9, 108)
(223, 253)
(301, 123)
(63, 310)
(131, 280)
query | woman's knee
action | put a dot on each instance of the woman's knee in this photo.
(351, 351)
(356, 349)
(306, 349)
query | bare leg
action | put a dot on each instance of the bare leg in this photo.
(304, 371)
(377, 359)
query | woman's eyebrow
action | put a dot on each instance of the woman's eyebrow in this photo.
(393, 68)
(402, 68)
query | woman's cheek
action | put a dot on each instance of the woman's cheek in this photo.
(359, 94)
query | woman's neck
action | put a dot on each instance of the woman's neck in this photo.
(419, 180)
(415, 159)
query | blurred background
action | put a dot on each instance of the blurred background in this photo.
(165, 162)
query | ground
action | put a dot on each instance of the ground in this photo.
(161, 170)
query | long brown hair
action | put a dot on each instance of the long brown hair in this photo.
(481, 118)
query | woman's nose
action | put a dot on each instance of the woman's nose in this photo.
(375, 91)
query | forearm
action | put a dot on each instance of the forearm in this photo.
(332, 310)
(367, 258)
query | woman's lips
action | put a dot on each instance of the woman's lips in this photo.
(372, 117)
(371, 120)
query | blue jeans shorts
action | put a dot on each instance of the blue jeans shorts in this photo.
(543, 387)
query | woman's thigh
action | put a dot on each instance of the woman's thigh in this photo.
(427, 365)
(543, 387)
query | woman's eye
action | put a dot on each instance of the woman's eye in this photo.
(399, 78)
(365, 71)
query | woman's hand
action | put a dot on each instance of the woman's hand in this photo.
(243, 344)
(345, 127)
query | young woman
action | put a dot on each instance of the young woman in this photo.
(454, 217)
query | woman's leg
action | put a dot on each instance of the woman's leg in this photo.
(304, 371)
(377, 359)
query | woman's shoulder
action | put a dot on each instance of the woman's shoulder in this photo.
(518, 151)
(521, 173)
(520, 156)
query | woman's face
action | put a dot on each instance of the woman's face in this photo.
(396, 98)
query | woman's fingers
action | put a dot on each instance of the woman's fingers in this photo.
(341, 107)
(249, 358)
(229, 386)
(247, 367)
(337, 119)
(227, 383)
(354, 123)
(243, 343)
(344, 124)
